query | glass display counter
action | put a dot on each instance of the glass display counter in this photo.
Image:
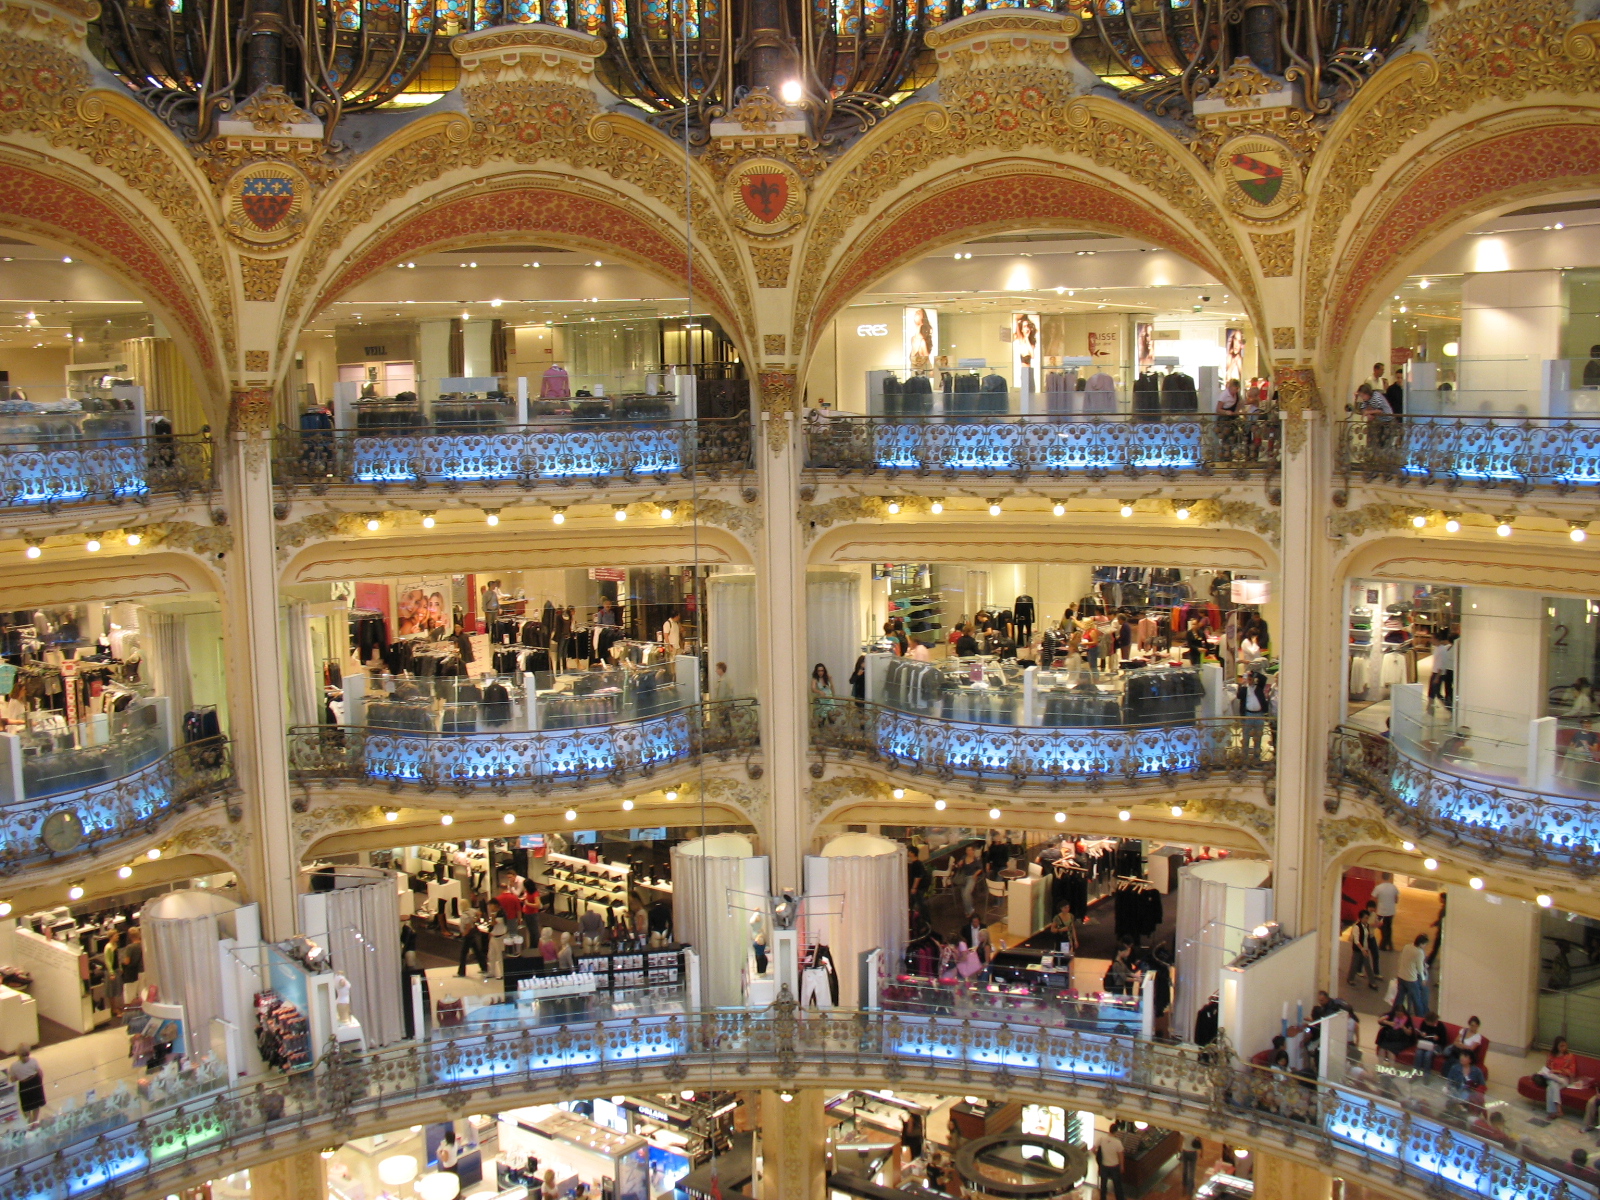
(1045, 1003)
(52, 758)
(92, 420)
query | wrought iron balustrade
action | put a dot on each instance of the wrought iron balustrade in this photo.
(539, 760)
(1058, 445)
(90, 819)
(48, 474)
(1540, 828)
(1030, 756)
(1344, 1129)
(1519, 452)
(529, 455)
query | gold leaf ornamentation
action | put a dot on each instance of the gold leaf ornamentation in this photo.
(772, 265)
(773, 343)
(261, 277)
(1283, 337)
(1275, 253)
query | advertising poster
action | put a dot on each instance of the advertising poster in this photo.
(1105, 345)
(1233, 360)
(1144, 340)
(422, 603)
(922, 338)
(1024, 344)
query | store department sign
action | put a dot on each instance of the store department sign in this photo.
(872, 331)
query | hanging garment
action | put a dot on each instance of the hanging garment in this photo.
(1100, 394)
(555, 384)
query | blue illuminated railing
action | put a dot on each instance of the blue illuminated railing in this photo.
(552, 452)
(1043, 755)
(1061, 445)
(49, 474)
(1542, 828)
(1522, 452)
(94, 818)
(1339, 1129)
(539, 760)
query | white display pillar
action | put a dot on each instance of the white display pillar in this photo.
(1500, 669)
(1219, 903)
(476, 354)
(1511, 322)
(433, 349)
(1489, 966)
(856, 903)
(719, 897)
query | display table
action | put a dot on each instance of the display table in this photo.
(19, 1020)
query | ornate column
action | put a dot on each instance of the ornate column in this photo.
(259, 725)
(792, 1146)
(298, 1177)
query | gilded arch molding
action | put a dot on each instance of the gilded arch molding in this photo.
(1549, 570)
(107, 577)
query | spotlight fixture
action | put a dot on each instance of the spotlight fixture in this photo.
(5, 908)
(1543, 901)
(936, 506)
(1061, 818)
(124, 871)
(1578, 531)
(666, 512)
(1127, 508)
(558, 515)
(1431, 864)
(328, 1151)
(509, 818)
(491, 516)
(1177, 810)
(1476, 883)
(1124, 815)
(627, 806)
(1181, 509)
(391, 814)
(372, 524)
(571, 814)
(1408, 847)
(619, 511)
(447, 818)
(1503, 526)
(92, 545)
(994, 507)
(33, 551)
(893, 506)
(134, 539)
(672, 793)
(899, 793)
(938, 805)
(1419, 522)
(1452, 523)
(1059, 508)
(789, 91)
(153, 853)
(427, 520)
(786, 1095)
(75, 892)
(994, 814)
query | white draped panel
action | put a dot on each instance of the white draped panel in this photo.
(833, 625)
(168, 647)
(716, 882)
(363, 942)
(855, 902)
(180, 932)
(303, 706)
(731, 601)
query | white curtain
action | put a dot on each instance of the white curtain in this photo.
(180, 945)
(856, 902)
(364, 945)
(715, 885)
(833, 624)
(731, 605)
(167, 642)
(303, 707)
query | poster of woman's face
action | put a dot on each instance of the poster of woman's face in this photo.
(921, 337)
(1024, 342)
(1233, 364)
(421, 606)
(1144, 338)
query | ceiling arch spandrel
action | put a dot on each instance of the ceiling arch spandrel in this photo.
(1490, 59)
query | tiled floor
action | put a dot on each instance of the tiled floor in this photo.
(72, 1068)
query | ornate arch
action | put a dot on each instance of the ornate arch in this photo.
(1005, 195)
(1484, 168)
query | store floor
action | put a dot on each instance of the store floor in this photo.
(80, 1064)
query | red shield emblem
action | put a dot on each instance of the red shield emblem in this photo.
(266, 200)
(765, 194)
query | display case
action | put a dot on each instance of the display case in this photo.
(629, 691)
(95, 419)
(1035, 995)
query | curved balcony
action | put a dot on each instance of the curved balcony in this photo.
(141, 1150)
(49, 475)
(1059, 446)
(1042, 756)
(1519, 453)
(538, 761)
(1542, 829)
(51, 824)
(558, 453)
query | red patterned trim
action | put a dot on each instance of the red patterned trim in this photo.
(483, 216)
(1549, 159)
(993, 203)
(32, 202)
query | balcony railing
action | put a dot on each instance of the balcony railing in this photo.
(1033, 756)
(91, 819)
(1496, 822)
(525, 455)
(539, 761)
(1090, 447)
(1486, 452)
(48, 474)
(1347, 1130)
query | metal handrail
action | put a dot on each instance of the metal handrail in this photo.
(1054, 444)
(1520, 452)
(1539, 828)
(1028, 755)
(50, 473)
(539, 760)
(553, 452)
(1341, 1128)
(117, 810)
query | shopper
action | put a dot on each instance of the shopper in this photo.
(1413, 976)
(1388, 898)
(113, 981)
(966, 644)
(1363, 952)
(130, 966)
(822, 693)
(448, 1155)
(1442, 682)
(916, 880)
(1108, 1156)
(474, 939)
(858, 680)
(1065, 926)
(28, 1077)
(1189, 1158)
(1431, 1036)
(511, 908)
(497, 941)
(1560, 1071)
(1465, 1047)
(911, 1135)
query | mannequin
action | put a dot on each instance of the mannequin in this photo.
(817, 982)
(555, 385)
(341, 998)
(1022, 619)
(564, 955)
